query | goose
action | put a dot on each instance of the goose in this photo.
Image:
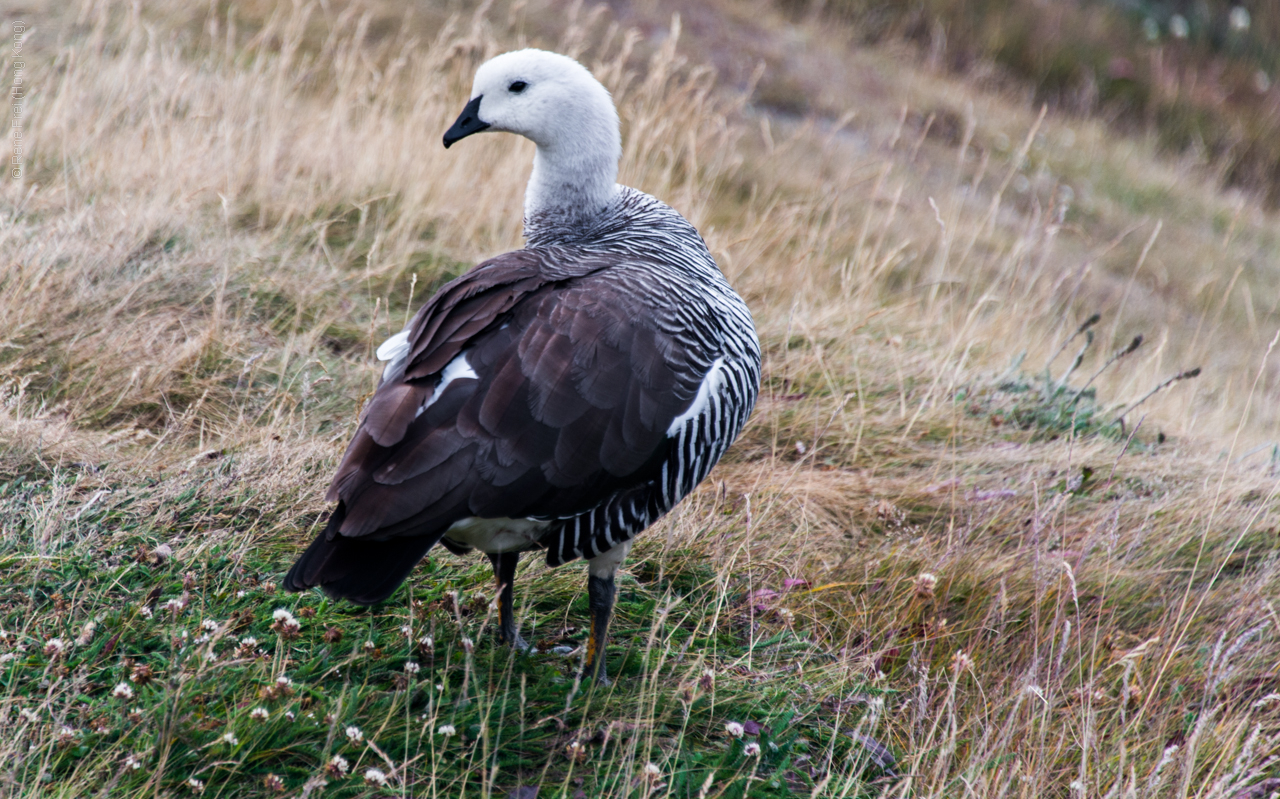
(561, 397)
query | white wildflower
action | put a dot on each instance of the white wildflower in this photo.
(1240, 19)
(751, 750)
(196, 785)
(259, 714)
(734, 729)
(411, 666)
(406, 630)
(241, 594)
(54, 647)
(209, 625)
(651, 770)
(337, 766)
(132, 762)
(29, 714)
(925, 583)
(285, 623)
(248, 642)
(231, 738)
(145, 612)
(426, 642)
(447, 730)
(374, 776)
(123, 691)
(354, 733)
(369, 646)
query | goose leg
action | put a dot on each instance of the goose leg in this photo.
(601, 591)
(504, 571)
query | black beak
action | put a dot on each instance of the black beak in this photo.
(467, 124)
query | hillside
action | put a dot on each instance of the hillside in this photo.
(948, 557)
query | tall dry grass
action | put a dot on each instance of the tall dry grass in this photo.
(218, 223)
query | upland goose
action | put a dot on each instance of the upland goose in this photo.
(561, 397)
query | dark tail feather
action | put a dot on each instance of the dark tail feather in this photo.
(362, 570)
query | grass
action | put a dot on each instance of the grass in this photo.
(936, 564)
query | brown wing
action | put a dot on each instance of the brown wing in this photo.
(575, 384)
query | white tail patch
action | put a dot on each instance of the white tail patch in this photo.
(710, 385)
(395, 350)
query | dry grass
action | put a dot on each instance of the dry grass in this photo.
(221, 217)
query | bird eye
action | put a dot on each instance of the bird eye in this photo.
(517, 86)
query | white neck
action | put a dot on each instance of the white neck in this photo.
(570, 185)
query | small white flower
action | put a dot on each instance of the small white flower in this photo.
(447, 730)
(734, 729)
(281, 614)
(652, 770)
(29, 714)
(66, 732)
(174, 605)
(374, 776)
(196, 785)
(411, 667)
(354, 733)
(259, 714)
(145, 612)
(751, 750)
(406, 630)
(231, 738)
(925, 585)
(338, 765)
(248, 642)
(426, 642)
(54, 647)
(369, 646)
(241, 594)
(210, 656)
(289, 715)
(132, 762)
(123, 691)
(1239, 18)
(209, 625)
(284, 682)
(202, 638)
(440, 687)
(7, 656)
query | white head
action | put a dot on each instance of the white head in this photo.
(557, 104)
